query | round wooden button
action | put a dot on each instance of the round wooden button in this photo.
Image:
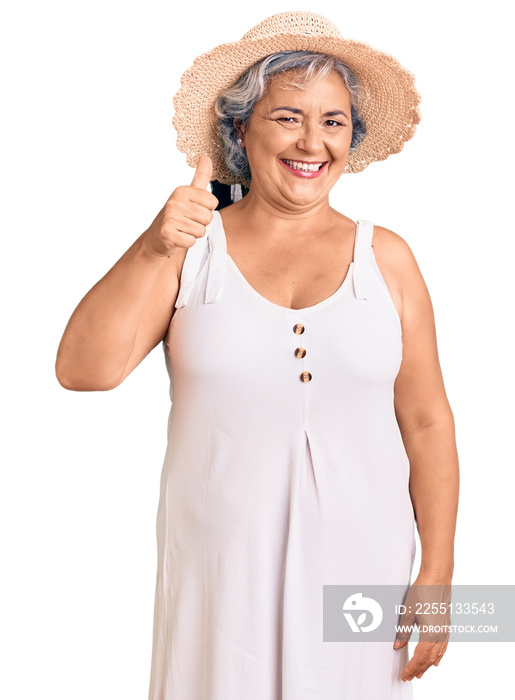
(305, 377)
(298, 328)
(300, 352)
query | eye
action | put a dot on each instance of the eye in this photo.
(286, 120)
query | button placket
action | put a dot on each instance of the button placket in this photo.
(300, 353)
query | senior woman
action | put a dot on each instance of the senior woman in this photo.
(309, 428)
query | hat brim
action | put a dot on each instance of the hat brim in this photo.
(388, 105)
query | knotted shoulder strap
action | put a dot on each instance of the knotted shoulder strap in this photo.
(362, 258)
(211, 248)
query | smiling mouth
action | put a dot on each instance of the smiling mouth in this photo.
(303, 167)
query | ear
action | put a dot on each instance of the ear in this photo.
(238, 125)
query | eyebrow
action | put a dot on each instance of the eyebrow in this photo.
(334, 113)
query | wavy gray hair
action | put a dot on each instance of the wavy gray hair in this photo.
(237, 101)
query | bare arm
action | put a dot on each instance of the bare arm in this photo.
(426, 421)
(127, 313)
(121, 318)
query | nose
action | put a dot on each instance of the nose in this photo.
(310, 138)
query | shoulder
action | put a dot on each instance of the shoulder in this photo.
(392, 247)
(400, 270)
(394, 254)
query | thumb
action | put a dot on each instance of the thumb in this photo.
(203, 172)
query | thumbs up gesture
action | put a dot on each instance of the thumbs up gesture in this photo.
(185, 215)
(203, 173)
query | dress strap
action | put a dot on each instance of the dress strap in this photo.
(210, 247)
(217, 261)
(362, 256)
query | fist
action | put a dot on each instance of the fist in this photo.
(185, 215)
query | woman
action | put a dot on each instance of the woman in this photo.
(309, 423)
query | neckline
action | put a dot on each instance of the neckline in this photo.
(285, 309)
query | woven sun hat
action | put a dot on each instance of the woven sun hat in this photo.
(388, 102)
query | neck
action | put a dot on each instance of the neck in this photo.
(281, 214)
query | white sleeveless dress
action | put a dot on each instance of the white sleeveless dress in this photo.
(285, 471)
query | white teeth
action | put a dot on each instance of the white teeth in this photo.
(307, 168)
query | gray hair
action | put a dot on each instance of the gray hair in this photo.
(238, 101)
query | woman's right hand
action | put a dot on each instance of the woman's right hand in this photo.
(185, 215)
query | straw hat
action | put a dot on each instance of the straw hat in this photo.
(389, 109)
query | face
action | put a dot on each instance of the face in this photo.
(291, 124)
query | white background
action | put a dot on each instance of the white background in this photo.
(88, 160)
